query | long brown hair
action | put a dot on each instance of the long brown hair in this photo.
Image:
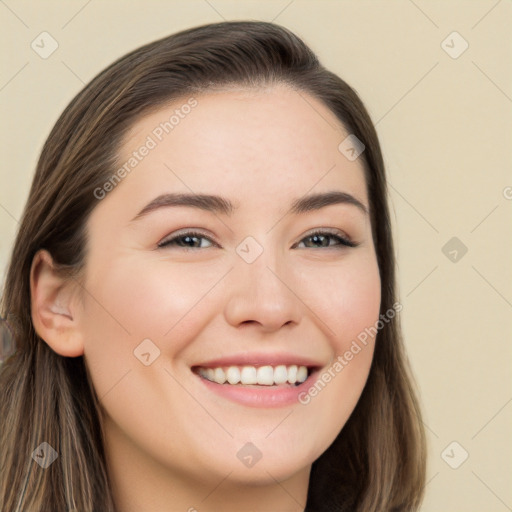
(377, 462)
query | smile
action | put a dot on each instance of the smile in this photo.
(255, 375)
(257, 386)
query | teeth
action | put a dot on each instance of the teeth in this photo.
(262, 375)
(249, 375)
(292, 374)
(281, 374)
(217, 375)
(233, 375)
(302, 373)
(265, 376)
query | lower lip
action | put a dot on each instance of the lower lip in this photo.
(262, 396)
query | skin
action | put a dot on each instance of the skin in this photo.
(170, 443)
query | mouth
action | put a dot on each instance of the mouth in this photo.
(257, 376)
(258, 379)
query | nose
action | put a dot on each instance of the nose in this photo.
(263, 293)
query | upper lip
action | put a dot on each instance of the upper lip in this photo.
(260, 359)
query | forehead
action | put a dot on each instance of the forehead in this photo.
(248, 144)
(211, 122)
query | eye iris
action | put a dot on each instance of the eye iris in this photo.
(324, 242)
(188, 238)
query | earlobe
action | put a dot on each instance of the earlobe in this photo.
(54, 310)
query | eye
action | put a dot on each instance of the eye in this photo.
(187, 240)
(192, 240)
(323, 239)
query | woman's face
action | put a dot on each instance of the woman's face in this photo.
(252, 285)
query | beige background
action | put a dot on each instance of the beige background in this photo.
(445, 126)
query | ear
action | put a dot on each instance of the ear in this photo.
(55, 307)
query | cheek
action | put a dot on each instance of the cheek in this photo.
(148, 298)
(346, 298)
(348, 303)
(134, 301)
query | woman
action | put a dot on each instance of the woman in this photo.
(261, 368)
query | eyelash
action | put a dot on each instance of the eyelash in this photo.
(342, 241)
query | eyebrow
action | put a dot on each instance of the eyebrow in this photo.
(222, 205)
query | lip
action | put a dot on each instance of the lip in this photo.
(260, 359)
(261, 396)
